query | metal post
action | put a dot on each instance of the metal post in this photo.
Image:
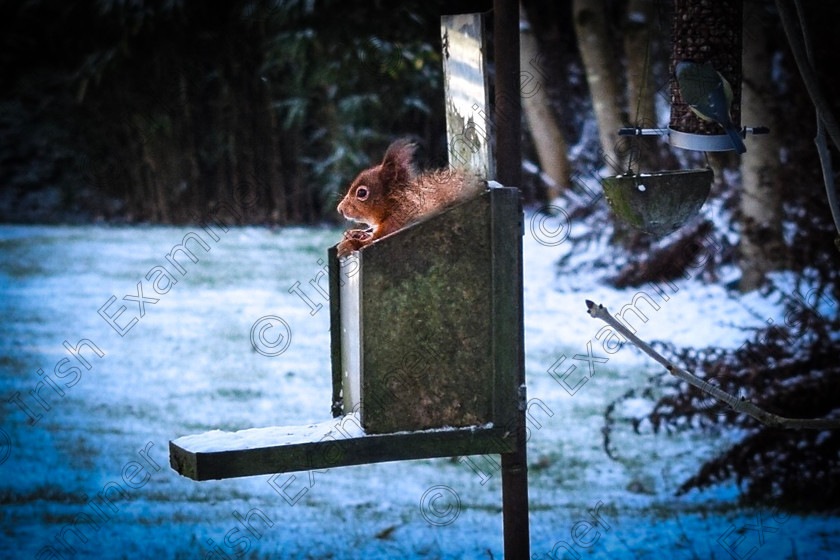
(508, 108)
(508, 173)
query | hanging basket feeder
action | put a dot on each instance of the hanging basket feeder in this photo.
(661, 202)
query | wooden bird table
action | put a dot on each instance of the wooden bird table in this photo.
(426, 334)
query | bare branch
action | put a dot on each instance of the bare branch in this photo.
(744, 406)
(819, 140)
(809, 77)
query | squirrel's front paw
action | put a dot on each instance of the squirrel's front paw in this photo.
(354, 240)
(348, 246)
(359, 234)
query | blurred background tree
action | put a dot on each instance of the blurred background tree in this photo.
(157, 111)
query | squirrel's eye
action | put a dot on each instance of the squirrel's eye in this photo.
(362, 193)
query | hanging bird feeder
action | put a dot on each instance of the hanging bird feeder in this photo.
(658, 203)
(705, 116)
(707, 37)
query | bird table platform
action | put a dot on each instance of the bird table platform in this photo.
(426, 336)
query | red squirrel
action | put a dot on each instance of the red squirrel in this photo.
(392, 195)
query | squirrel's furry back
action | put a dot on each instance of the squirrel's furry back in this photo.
(431, 192)
(392, 195)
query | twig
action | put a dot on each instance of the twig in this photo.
(744, 406)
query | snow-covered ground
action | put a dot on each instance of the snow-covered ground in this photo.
(187, 365)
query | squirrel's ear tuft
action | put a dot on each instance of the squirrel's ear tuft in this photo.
(398, 163)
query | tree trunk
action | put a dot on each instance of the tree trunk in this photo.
(195, 203)
(601, 76)
(548, 140)
(762, 246)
